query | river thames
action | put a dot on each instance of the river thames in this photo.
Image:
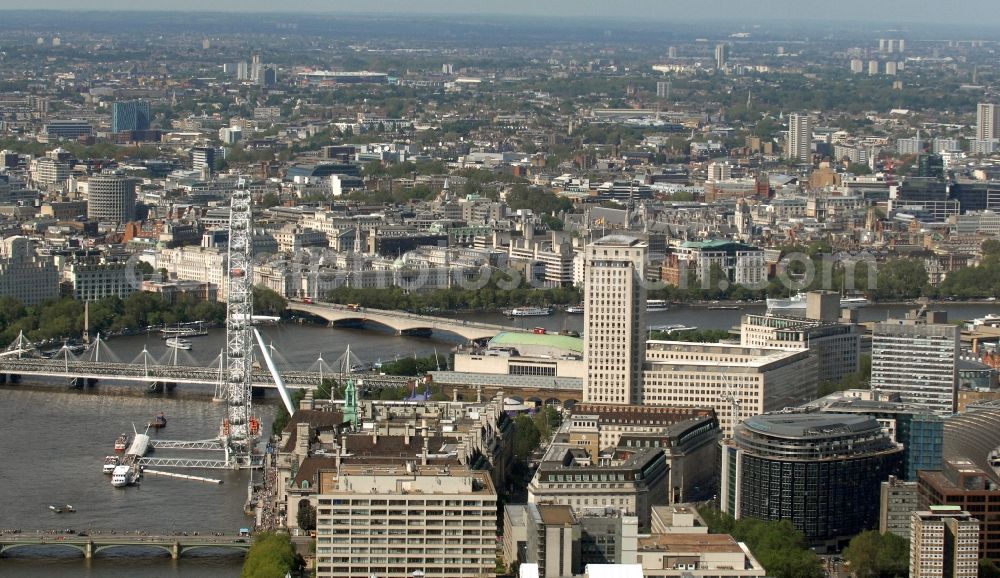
(55, 440)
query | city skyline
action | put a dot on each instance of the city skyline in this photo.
(917, 12)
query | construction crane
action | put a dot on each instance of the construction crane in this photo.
(731, 394)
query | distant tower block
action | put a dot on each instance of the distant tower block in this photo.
(872, 67)
(206, 44)
(721, 55)
(672, 52)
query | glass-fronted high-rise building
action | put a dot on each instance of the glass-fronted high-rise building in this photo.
(130, 115)
(821, 471)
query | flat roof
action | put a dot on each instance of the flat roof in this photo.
(690, 543)
(556, 514)
(553, 340)
(618, 240)
(803, 425)
(718, 244)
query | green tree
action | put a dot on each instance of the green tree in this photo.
(268, 302)
(859, 169)
(547, 421)
(306, 516)
(271, 555)
(856, 380)
(526, 436)
(988, 569)
(696, 336)
(779, 547)
(875, 555)
(281, 416)
(900, 279)
(270, 200)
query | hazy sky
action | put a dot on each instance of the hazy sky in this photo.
(972, 12)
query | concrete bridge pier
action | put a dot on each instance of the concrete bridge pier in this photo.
(88, 550)
(175, 550)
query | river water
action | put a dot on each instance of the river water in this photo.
(54, 441)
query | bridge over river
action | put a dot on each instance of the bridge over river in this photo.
(90, 545)
(400, 321)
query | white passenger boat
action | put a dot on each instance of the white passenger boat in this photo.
(528, 312)
(122, 476)
(178, 343)
(798, 301)
(110, 463)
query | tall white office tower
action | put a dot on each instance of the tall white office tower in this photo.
(614, 320)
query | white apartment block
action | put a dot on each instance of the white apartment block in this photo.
(93, 281)
(799, 137)
(715, 375)
(987, 121)
(399, 522)
(944, 542)
(837, 346)
(48, 171)
(556, 259)
(614, 320)
(196, 264)
(917, 359)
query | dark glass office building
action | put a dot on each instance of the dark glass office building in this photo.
(820, 471)
(130, 115)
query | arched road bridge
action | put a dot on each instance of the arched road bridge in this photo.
(400, 321)
(91, 545)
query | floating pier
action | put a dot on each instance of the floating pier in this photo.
(181, 476)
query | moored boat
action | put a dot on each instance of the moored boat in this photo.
(197, 330)
(110, 463)
(159, 421)
(671, 328)
(122, 476)
(574, 309)
(798, 302)
(121, 443)
(528, 312)
(657, 305)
